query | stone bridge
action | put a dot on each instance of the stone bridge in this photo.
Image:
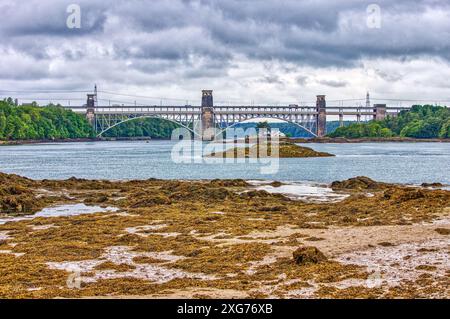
(311, 118)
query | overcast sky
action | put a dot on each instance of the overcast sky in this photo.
(261, 51)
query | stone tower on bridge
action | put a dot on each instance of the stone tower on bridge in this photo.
(91, 103)
(90, 109)
(380, 112)
(321, 119)
(208, 129)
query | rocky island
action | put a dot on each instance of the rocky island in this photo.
(285, 150)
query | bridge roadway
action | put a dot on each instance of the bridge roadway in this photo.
(236, 110)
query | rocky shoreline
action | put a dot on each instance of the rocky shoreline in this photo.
(223, 239)
(46, 141)
(77, 140)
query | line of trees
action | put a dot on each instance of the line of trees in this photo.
(145, 127)
(425, 121)
(34, 122)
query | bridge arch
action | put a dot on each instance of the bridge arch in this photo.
(146, 116)
(262, 118)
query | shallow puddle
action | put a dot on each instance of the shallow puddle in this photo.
(43, 227)
(158, 273)
(310, 192)
(393, 265)
(61, 211)
(4, 235)
(143, 230)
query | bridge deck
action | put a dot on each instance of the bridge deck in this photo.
(235, 110)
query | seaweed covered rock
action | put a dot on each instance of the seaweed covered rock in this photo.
(192, 191)
(285, 150)
(229, 183)
(276, 184)
(78, 183)
(150, 200)
(308, 255)
(96, 199)
(258, 194)
(443, 231)
(421, 196)
(277, 208)
(17, 199)
(12, 179)
(358, 183)
(201, 193)
(403, 195)
(294, 150)
(432, 185)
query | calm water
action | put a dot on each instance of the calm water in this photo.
(391, 162)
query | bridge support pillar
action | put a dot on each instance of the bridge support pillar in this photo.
(90, 109)
(208, 129)
(321, 118)
(341, 120)
(380, 112)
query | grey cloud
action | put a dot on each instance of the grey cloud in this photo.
(202, 39)
(390, 77)
(272, 79)
(318, 33)
(302, 80)
(332, 83)
(304, 32)
(48, 18)
(21, 73)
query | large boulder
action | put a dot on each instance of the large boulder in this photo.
(357, 183)
(432, 185)
(308, 255)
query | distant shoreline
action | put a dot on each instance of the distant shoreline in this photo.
(76, 140)
(293, 140)
(368, 140)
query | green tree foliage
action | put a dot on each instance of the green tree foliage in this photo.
(445, 130)
(145, 127)
(425, 121)
(290, 129)
(263, 126)
(34, 122)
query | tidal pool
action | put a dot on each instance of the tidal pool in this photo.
(311, 192)
(61, 211)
